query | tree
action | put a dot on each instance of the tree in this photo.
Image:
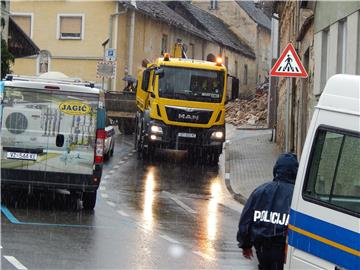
(6, 57)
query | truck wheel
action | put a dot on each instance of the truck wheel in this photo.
(214, 158)
(107, 156)
(148, 153)
(112, 151)
(89, 200)
(128, 126)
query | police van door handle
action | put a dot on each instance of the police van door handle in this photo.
(339, 268)
(60, 140)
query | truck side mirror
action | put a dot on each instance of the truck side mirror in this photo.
(145, 80)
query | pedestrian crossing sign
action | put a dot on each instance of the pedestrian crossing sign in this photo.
(289, 64)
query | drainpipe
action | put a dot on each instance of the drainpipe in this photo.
(131, 43)
(111, 20)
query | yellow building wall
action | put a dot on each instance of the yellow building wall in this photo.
(72, 68)
(45, 20)
(85, 69)
(75, 58)
(24, 66)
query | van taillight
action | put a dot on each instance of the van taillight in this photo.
(99, 148)
(50, 87)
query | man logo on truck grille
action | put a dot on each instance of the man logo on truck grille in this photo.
(74, 108)
(191, 117)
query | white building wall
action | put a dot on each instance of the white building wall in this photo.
(337, 46)
(353, 50)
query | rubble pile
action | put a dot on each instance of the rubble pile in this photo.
(252, 112)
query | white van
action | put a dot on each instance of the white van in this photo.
(52, 135)
(324, 227)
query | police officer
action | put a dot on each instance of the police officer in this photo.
(264, 219)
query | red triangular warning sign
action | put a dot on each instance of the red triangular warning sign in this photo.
(289, 64)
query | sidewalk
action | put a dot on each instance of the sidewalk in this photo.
(249, 161)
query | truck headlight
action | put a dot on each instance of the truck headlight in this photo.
(156, 129)
(217, 135)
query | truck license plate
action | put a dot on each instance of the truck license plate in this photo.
(186, 135)
(24, 156)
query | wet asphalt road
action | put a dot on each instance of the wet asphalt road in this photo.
(162, 214)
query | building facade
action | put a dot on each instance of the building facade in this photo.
(326, 37)
(252, 27)
(73, 36)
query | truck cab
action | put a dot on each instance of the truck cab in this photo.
(181, 106)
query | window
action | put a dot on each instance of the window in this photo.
(333, 178)
(43, 62)
(245, 74)
(213, 4)
(70, 26)
(164, 44)
(24, 21)
(191, 84)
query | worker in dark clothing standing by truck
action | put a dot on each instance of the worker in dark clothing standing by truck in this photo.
(264, 219)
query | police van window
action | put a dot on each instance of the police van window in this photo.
(334, 175)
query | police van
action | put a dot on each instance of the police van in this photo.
(52, 135)
(324, 226)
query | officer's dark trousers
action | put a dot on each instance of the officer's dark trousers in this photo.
(271, 255)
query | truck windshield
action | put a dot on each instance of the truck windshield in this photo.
(191, 84)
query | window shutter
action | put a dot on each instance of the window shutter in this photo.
(70, 27)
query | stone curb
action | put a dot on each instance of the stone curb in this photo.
(253, 128)
(238, 197)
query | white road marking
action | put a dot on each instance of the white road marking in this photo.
(126, 158)
(130, 154)
(121, 162)
(227, 176)
(122, 213)
(163, 236)
(104, 195)
(15, 262)
(111, 172)
(110, 203)
(107, 177)
(208, 257)
(0, 247)
(180, 203)
(134, 151)
(116, 167)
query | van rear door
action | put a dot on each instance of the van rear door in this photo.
(73, 131)
(24, 136)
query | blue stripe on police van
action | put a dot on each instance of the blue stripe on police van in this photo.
(324, 229)
(327, 241)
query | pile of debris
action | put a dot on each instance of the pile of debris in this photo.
(244, 113)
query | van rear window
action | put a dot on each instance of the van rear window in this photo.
(333, 176)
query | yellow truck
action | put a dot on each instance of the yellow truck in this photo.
(180, 105)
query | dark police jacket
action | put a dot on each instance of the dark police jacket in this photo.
(266, 213)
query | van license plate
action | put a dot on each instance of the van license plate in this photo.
(187, 135)
(24, 156)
